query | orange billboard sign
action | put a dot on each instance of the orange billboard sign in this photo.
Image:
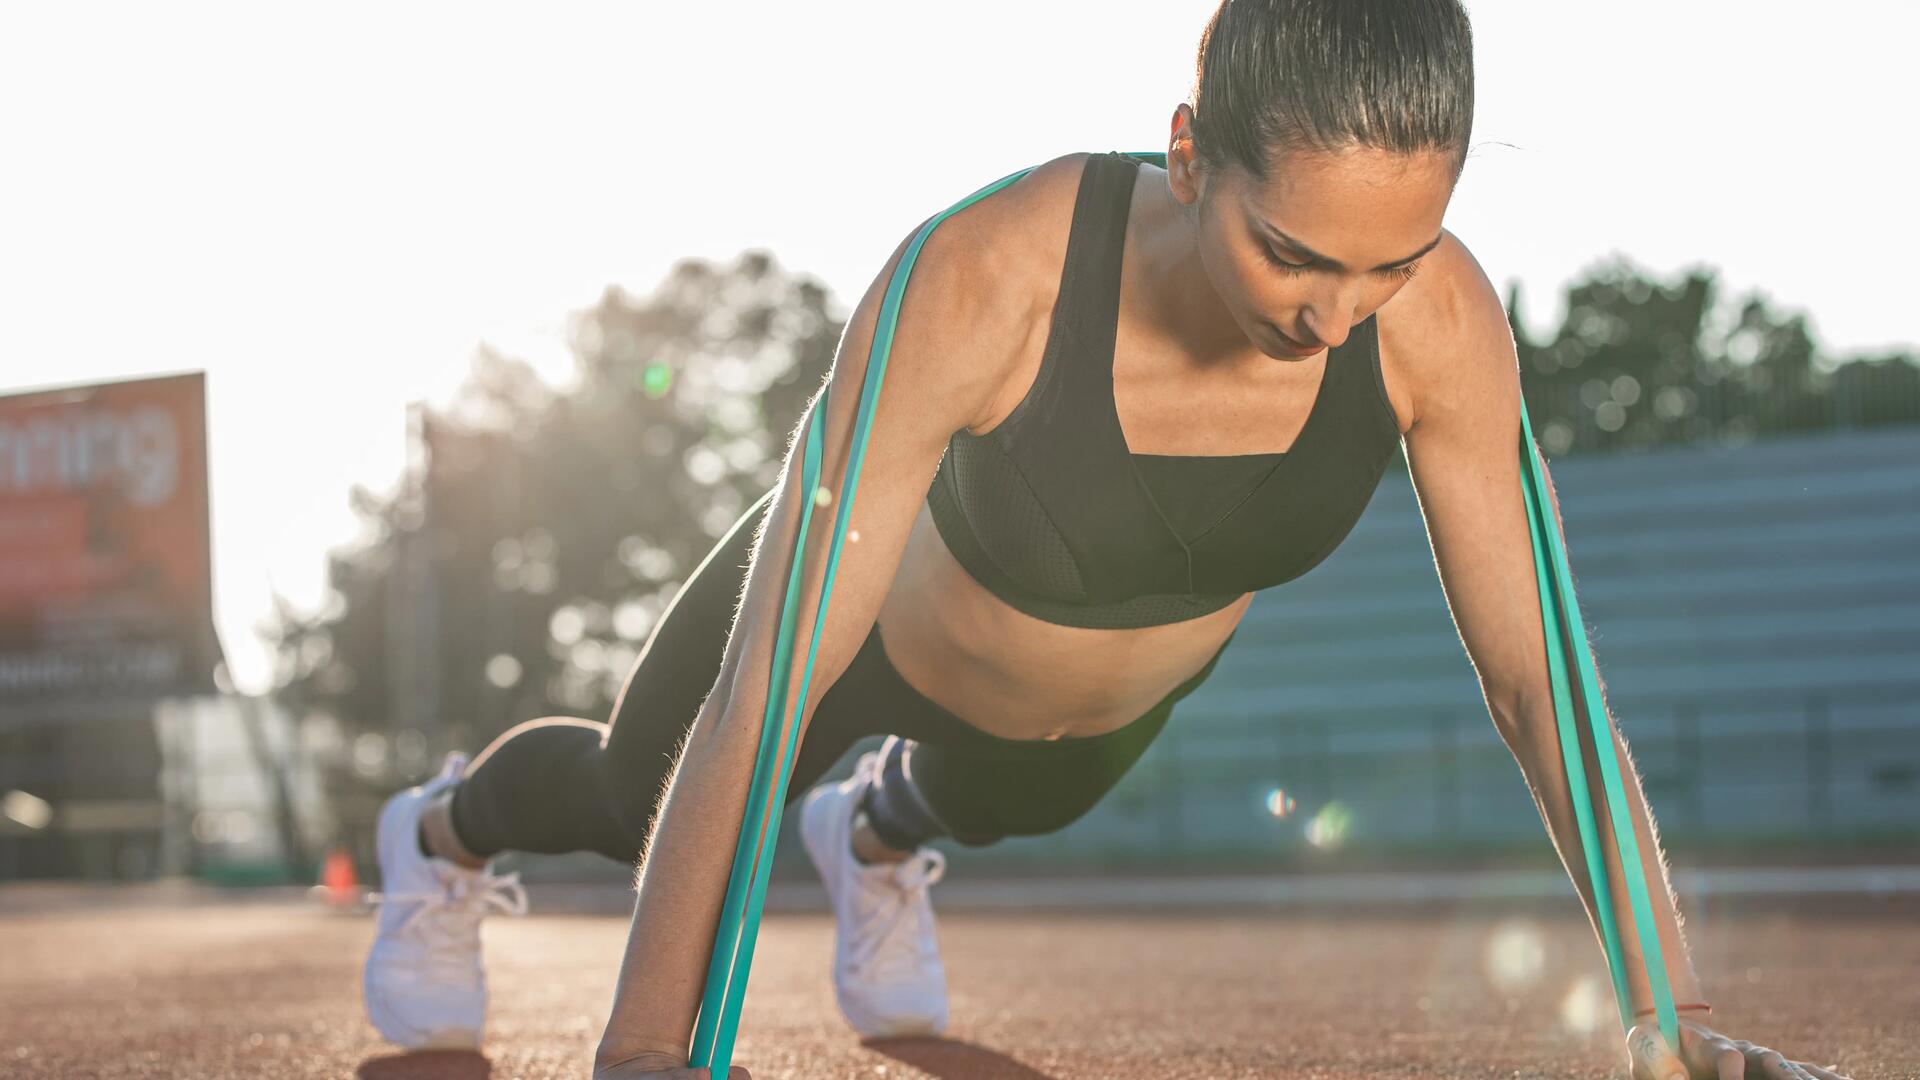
(105, 587)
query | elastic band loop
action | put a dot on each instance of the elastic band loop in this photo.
(1703, 1006)
(1560, 612)
(1570, 751)
(732, 956)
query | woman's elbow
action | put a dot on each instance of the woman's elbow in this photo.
(1522, 717)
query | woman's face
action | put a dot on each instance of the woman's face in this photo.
(1320, 244)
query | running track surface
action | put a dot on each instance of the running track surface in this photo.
(270, 989)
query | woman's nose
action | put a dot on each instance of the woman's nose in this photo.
(1329, 323)
(1328, 315)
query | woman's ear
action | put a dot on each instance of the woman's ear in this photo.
(1183, 167)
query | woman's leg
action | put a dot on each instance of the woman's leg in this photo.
(979, 795)
(560, 785)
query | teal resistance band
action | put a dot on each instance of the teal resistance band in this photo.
(1560, 611)
(732, 958)
(739, 927)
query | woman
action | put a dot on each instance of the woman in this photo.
(1120, 399)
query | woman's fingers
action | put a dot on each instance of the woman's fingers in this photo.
(650, 1067)
(1708, 1053)
(1725, 1059)
(1773, 1065)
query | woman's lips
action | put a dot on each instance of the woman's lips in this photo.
(1289, 345)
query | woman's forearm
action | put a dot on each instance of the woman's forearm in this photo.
(682, 884)
(687, 859)
(1541, 761)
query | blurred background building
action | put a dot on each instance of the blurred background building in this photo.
(124, 752)
(105, 608)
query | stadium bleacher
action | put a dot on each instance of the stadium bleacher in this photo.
(1754, 611)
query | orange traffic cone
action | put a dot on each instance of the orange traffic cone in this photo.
(339, 886)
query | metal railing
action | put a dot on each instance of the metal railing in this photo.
(1828, 767)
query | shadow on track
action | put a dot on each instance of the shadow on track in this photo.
(427, 1065)
(952, 1059)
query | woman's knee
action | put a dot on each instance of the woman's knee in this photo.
(980, 800)
(631, 790)
(535, 788)
(1017, 816)
(897, 811)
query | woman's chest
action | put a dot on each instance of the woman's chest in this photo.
(1072, 505)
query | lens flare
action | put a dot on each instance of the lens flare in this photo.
(1279, 803)
(1328, 829)
(1516, 955)
(1584, 1009)
(657, 379)
(27, 810)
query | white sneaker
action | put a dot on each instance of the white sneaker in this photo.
(887, 973)
(423, 983)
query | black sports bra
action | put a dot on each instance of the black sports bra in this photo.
(1051, 511)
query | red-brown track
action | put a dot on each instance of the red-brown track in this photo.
(234, 990)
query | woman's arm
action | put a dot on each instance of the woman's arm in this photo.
(1451, 341)
(962, 321)
(1464, 452)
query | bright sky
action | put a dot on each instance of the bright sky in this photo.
(327, 209)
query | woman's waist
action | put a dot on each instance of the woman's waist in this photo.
(1035, 690)
(1017, 676)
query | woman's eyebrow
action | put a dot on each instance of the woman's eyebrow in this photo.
(1335, 263)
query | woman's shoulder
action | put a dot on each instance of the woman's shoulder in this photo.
(1020, 231)
(1449, 314)
(995, 267)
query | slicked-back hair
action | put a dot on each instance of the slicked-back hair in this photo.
(1279, 75)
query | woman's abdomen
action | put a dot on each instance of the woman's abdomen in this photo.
(1019, 677)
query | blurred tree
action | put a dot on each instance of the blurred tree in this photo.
(524, 559)
(1869, 391)
(1638, 362)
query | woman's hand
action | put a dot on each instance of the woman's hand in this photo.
(680, 1073)
(1705, 1054)
(659, 1067)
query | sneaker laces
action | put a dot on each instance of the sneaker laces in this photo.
(867, 770)
(447, 922)
(894, 945)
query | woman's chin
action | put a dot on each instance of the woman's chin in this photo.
(1277, 345)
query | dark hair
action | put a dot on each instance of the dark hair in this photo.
(1275, 75)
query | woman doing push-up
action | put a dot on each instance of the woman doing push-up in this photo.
(1125, 393)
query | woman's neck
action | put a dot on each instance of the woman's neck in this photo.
(1171, 290)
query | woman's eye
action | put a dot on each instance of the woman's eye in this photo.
(1276, 260)
(1293, 269)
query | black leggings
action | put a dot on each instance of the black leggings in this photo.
(560, 785)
